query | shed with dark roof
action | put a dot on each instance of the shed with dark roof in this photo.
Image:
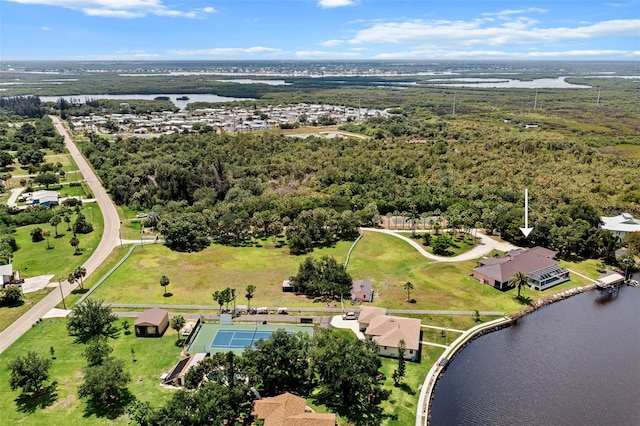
(152, 323)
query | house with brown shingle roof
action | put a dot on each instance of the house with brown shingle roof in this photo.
(537, 263)
(387, 331)
(289, 410)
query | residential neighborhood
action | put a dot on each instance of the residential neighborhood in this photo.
(228, 118)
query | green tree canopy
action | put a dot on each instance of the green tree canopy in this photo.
(105, 382)
(29, 371)
(90, 319)
(185, 232)
(280, 364)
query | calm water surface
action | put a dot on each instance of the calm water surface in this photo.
(576, 362)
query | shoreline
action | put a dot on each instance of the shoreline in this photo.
(440, 367)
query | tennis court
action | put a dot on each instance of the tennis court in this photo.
(224, 338)
(239, 338)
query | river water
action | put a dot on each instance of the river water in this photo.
(575, 362)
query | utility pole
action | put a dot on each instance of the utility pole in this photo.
(535, 102)
(64, 305)
(598, 100)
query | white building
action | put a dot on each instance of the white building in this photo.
(620, 225)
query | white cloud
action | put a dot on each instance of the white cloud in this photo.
(323, 54)
(225, 51)
(336, 3)
(476, 32)
(331, 43)
(125, 9)
(45, 28)
(515, 11)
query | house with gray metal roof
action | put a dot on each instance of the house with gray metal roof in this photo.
(620, 225)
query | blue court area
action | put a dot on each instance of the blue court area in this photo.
(209, 337)
(237, 339)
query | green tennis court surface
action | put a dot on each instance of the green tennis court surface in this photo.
(235, 338)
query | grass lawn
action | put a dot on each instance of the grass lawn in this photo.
(460, 243)
(33, 259)
(195, 276)
(153, 357)
(10, 314)
(70, 191)
(400, 408)
(389, 263)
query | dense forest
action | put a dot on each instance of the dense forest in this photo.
(471, 170)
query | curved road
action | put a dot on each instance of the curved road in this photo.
(108, 242)
(484, 247)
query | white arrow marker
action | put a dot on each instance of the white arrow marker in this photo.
(526, 230)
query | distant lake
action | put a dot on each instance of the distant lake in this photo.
(172, 96)
(496, 83)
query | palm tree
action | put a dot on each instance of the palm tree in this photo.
(164, 282)
(72, 278)
(249, 295)
(75, 242)
(55, 221)
(47, 234)
(519, 280)
(408, 286)
(80, 273)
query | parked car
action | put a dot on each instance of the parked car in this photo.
(350, 316)
(142, 216)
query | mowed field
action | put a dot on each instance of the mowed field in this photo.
(386, 261)
(195, 276)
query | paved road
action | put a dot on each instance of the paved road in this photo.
(485, 245)
(107, 243)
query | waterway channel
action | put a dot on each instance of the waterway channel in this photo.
(575, 362)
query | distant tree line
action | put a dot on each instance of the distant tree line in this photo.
(22, 106)
(471, 173)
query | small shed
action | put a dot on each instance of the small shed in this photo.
(287, 286)
(361, 291)
(6, 274)
(152, 323)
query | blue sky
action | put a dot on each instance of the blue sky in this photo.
(319, 29)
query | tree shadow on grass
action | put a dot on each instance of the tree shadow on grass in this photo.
(406, 388)
(109, 409)
(12, 304)
(79, 291)
(168, 294)
(360, 413)
(524, 300)
(29, 403)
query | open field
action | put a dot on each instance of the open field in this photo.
(195, 276)
(386, 261)
(153, 357)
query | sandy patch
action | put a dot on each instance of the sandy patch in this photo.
(37, 283)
